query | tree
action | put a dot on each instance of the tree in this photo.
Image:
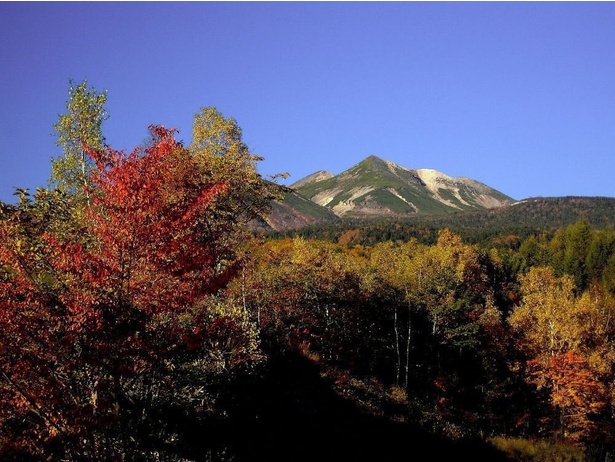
(608, 275)
(217, 145)
(575, 392)
(601, 248)
(79, 129)
(391, 282)
(578, 240)
(569, 249)
(568, 344)
(534, 250)
(543, 318)
(89, 323)
(451, 288)
(454, 306)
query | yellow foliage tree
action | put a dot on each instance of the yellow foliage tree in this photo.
(559, 333)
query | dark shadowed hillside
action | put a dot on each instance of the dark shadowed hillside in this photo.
(524, 218)
(293, 412)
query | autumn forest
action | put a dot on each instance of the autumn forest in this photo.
(142, 318)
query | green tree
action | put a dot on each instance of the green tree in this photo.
(601, 248)
(569, 250)
(534, 250)
(608, 275)
(578, 239)
(78, 129)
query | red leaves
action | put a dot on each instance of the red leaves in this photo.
(86, 305)
(148, 222)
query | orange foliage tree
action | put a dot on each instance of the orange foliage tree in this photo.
(576, 393)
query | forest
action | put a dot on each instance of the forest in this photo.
(142, 319)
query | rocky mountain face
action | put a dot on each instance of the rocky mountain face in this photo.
(376, 188)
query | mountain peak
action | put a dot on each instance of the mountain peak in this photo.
(372, 158)
(375, 161)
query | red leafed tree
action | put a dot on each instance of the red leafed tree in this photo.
(91, 311)
(149, 245)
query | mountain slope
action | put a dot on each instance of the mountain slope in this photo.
(313, 178)
(379, 188)
(295, 211)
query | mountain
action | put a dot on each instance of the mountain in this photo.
(376, 188)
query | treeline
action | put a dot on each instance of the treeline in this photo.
(504, 226)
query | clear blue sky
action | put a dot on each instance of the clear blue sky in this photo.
(520, 96)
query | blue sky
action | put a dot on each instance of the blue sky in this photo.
(517, 95)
